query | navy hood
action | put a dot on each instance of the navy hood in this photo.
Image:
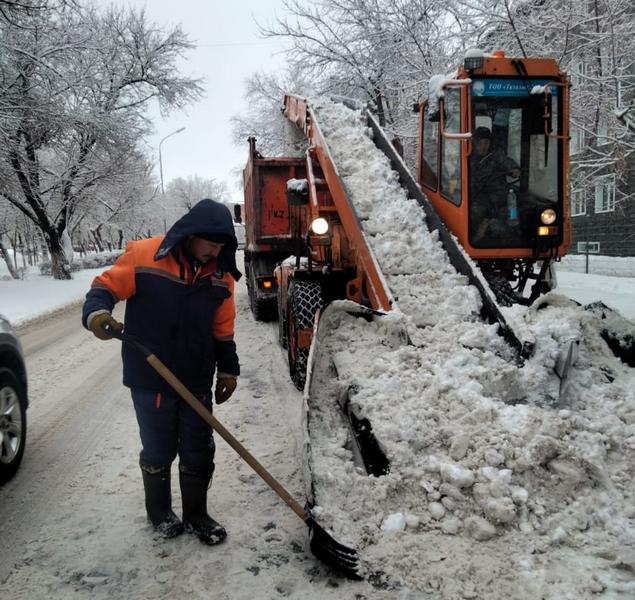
(206, 216)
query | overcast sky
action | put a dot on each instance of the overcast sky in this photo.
(228, 51)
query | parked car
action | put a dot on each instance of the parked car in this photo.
(13, 401)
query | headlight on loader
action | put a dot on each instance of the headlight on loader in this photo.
(320, 226)
(548, 216)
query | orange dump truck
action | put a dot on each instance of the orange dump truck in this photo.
(270, 225)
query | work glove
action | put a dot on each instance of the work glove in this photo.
(96, 325)
(225, 386)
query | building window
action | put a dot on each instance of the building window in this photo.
(605, 194)
(578, 203)
(593, 247)
(577, 140)
(578, 73)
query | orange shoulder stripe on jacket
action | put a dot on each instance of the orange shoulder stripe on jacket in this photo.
(120, 278)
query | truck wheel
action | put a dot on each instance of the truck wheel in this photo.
(263, 310)
(305, 298)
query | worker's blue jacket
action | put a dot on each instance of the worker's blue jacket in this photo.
(183, 312)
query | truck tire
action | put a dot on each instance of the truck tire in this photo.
(263, 310)
(304, 300)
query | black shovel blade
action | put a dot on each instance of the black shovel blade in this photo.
(337, 556)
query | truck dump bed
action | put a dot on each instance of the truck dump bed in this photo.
(270, 224)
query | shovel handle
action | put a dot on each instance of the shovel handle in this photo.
(213, 422)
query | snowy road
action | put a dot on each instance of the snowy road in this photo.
(72, 522)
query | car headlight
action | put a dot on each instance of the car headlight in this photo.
(320, 226)
(548, 216)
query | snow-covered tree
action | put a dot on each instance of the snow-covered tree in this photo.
(183, 193)
(276, 136)
(379, 51)
(74, 82)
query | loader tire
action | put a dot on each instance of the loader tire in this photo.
(304, 300)
(283, 326)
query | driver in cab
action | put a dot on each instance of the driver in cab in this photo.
(489, 170)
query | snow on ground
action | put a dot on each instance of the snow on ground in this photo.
(25, 299)
(598, 264)
(36, 295)
(508, 490)
(616, 292)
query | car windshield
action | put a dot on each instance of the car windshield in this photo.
(513, 166)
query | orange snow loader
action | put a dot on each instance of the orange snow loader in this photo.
(321, 256)
(506, 203)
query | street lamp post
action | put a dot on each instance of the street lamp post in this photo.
(160, 160)
(161, 173)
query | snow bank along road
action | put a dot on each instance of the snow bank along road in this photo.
(72, 522)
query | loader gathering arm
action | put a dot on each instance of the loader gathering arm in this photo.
(369, 275)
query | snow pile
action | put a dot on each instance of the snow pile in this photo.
(298, 186)
(480, 449)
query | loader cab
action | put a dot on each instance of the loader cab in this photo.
(514, 183)
(493, 160)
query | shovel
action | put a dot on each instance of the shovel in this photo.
(323, 546)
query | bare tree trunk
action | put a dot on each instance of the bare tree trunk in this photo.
(60, 265)
(23, 249)
(43, 250)
(97, 237)
(7, 259)
(14, 245)
(379, 107)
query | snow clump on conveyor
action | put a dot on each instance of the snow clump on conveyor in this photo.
(491, 481)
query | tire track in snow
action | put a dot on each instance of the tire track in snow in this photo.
(68, 418)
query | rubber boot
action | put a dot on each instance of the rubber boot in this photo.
(195, 518)
(156, 482)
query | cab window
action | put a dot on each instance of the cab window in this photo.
(430, 151)
(451, 149)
